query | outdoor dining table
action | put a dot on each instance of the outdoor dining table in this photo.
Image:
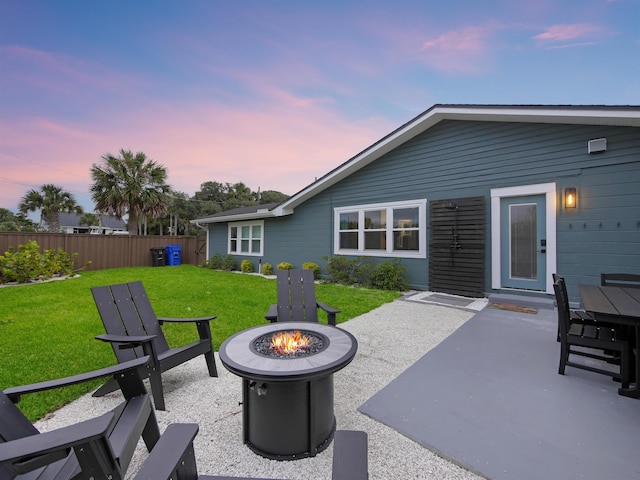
(618, 305)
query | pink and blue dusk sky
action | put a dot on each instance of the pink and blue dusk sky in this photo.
(277, 93)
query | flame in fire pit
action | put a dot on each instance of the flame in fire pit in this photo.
(286, 343)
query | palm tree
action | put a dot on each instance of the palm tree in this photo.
(130, 185)
(51, 200)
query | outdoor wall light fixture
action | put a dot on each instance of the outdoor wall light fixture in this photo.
(570, 198)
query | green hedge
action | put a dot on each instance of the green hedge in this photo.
(28, 264)
(366, 272)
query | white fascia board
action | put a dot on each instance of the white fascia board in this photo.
(579, 115)
(236, 218)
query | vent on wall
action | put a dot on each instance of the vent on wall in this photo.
(598, 145)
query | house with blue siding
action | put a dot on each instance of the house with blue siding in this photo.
(472, 199)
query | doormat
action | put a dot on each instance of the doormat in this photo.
(448, 300)
(513, 308)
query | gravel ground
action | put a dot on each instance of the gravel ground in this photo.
(194, 397)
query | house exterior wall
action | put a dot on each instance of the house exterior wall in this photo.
(456, 159)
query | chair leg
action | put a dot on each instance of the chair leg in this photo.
(211, 364)
(624, 368)
(155, 378)
(564, 356)
(151, 432)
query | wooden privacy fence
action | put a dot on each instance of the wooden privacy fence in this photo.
(109, 251)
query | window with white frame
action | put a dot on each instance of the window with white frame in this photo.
(246, 238)
(386, 229)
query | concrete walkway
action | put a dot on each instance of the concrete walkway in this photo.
(489, 397)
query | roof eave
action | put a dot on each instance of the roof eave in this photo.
(234, 218)
(587, 115)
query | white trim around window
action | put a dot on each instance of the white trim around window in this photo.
(246, 238)
(392, 229)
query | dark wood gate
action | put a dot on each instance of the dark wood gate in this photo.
(457, 246)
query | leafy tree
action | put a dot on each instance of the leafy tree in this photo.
(90, 220)
(215, 197)
(10, 222)
(271, 196)
(51, 200)
(131, 185)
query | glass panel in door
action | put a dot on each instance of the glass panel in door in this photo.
(523, 242)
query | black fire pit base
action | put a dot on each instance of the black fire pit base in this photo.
(287, 410)
(288, 420)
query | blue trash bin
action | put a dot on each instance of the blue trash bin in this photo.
(173, 254)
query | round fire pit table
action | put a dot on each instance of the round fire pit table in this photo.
(287, 400)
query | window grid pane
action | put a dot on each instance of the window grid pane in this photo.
(406, 240)
(349, 221)
(349, 240)
(375, 240)
(376, 219)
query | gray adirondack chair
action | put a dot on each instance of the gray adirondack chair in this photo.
(134, 330)
(297, 299)
(101, 447)
(174, 458)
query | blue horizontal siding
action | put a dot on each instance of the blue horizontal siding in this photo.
(456, 159)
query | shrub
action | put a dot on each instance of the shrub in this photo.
(350, 271)
(246, 266)
(285, 266)
(365, 272)
(28, 264)
(389, 275)
(219, 261)
(267, 269)
(339, 269)
(314, 267)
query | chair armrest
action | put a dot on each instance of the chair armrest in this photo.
(272, 314)
(137, 339)
(174, 451)
(350, 455)
(327, 308)
(35, 451)
(14, 393)
(331, 312)
(186, 320)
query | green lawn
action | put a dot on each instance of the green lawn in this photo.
(47, 330)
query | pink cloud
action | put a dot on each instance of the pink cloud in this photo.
(279, 145)
(261, 134)
(62, 74)
(459, 51)
(562, 33)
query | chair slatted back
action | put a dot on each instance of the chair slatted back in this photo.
(13, 423)
(564, 318)
(296, 296)
(125, 310)
(13, 426)
(630, 280)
